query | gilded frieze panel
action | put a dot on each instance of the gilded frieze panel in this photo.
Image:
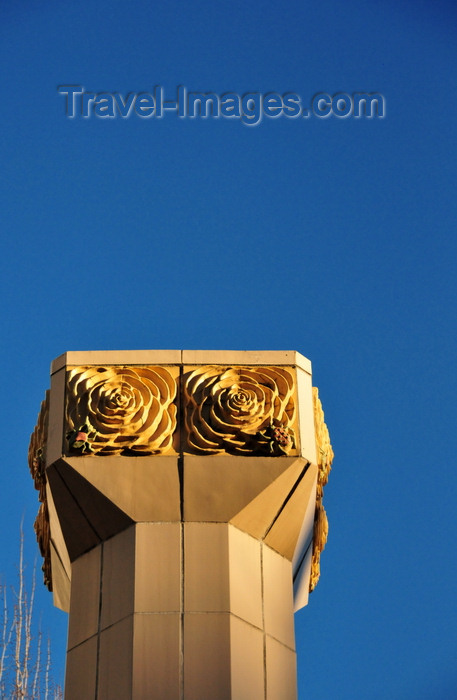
(121, 410)
(240, 410)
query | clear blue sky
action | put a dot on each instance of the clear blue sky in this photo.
(334, 237)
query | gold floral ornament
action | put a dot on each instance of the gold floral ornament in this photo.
(240, 410)
(324, 463)
(37, 462)
(120, 410)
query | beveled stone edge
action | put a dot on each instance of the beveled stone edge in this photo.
(289, 358)
(116, 357)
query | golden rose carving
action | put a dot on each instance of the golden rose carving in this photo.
(240, 410)
(324, 463)
(120, 410)
(324, 448)
(319, 541)
(37, 449)
(37, 463)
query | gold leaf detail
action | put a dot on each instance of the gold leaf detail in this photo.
(120, 410)
(236, 410)
(324, 463)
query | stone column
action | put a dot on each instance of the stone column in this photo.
(181, 519)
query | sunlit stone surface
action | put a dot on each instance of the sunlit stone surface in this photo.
(181, 519)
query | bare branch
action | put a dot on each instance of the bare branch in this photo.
(23, 673)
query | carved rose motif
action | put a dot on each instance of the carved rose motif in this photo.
(239, 410)
(319, 541)
(324, 463)
(323, 446)
(37, 462)
(43, 535)
(120, 410)
(37, 449)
